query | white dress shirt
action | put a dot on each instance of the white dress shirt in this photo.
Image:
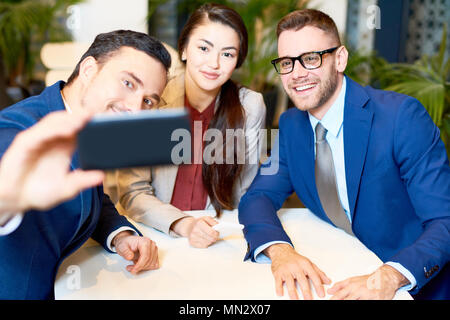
(11, 224)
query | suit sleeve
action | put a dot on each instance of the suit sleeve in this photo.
(137, 197)
(110, 220)
(258, 207)
(424, 168)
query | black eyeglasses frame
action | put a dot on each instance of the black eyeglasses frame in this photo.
(299, 58)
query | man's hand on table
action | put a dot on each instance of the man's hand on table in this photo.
(380, 285)
(141, 250)
(288, 267)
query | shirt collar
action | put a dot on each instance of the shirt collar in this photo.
(66, 105)
(333, 119)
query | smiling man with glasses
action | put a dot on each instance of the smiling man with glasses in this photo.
(369, 162)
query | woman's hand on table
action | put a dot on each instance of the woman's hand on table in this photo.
(199, 231)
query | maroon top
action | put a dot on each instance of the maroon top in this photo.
(189, 192)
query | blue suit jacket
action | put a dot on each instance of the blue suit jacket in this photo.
(398, 183)
(31, 255)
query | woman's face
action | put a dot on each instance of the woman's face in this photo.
(211, 55)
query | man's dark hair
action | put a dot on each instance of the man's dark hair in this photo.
(298, 19)
(106, 45)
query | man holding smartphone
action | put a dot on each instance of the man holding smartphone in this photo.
(122, 71)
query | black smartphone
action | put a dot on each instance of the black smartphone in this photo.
(145, 138)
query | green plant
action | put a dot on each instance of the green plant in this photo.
(152, 6)
(24, 26)
(428, 80)
(361, 66)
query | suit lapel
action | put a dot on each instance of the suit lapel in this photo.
(357, 126)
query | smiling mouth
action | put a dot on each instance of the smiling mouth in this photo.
(208, 75)
(305, 87)
(116, 109)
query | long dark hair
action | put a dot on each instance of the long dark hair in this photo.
(219, 179)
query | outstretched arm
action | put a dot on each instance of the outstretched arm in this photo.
(35, 170)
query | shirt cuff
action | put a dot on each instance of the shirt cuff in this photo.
(11, 225)
(260, 257)
(405, 272)
(114, 233)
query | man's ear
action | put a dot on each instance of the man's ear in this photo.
(341, 58)
(88, 69)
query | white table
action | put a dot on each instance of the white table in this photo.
(217, 272)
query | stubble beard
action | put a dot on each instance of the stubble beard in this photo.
(326, 91)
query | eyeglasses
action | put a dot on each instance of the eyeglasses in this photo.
(309, 60)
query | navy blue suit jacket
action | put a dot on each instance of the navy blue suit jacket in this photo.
(31, 255)
(398, 184)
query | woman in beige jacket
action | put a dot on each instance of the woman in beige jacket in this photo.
(212, 45)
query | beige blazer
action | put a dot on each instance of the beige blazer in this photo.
(144, 194)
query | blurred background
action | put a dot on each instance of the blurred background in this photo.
(399, 45)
